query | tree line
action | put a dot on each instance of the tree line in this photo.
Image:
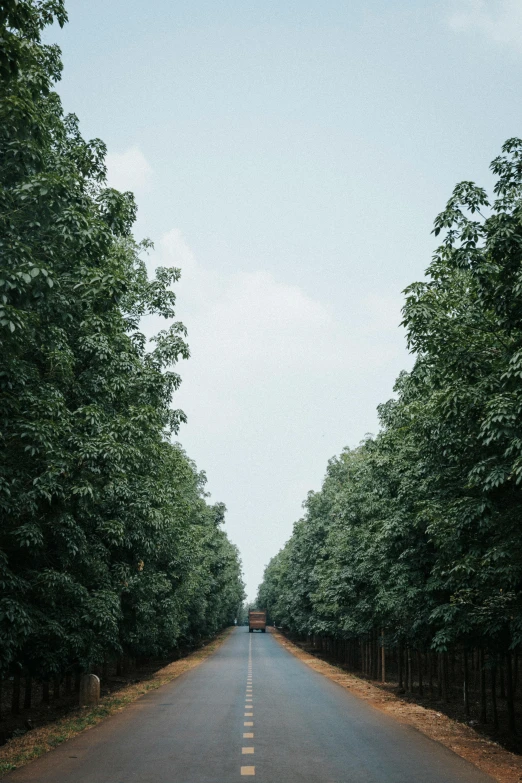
(410, 556)
(108, 544)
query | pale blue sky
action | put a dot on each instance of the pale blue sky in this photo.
(290, 157)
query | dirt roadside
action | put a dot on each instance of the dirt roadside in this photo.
(500, 764)
(21, 750)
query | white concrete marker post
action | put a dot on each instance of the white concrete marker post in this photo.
(89, 690)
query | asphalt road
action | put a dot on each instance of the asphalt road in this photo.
(251, 709)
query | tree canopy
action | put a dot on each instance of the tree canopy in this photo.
(107, 542)
(417, 531)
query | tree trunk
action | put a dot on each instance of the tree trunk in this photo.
(400, 661)
(430, 673)
(444, 673)
(483, 703)
(419, 664)
(509, 694)
(409, 683)
(466, 682)
(28, 695)
(45, 692)
(15, 696)
(494, 696)
(383, 658)
(56, 688)
(452, 664)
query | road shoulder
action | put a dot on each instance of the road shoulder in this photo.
(490, 758)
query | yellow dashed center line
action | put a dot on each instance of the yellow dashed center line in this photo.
(246, 751)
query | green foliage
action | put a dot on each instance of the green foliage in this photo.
(418, 530)
(107, 544)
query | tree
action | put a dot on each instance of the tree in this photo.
(104, 524)
(417, 531)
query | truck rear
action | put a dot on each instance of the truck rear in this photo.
(257, 621)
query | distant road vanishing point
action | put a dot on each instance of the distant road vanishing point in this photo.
(250, 710)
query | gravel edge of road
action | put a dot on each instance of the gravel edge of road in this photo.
(20, 751)
(490, 758)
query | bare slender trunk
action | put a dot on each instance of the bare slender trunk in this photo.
(15, 696)
(509, 694)
(444, 673)
(483, 703)
(494, 695)
(466, 682)
(430, 673)
(28, 694)
(419, 664)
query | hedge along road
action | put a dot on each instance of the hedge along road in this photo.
(250, 710)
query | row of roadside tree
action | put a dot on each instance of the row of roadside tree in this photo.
(108, 545)
(414, 542)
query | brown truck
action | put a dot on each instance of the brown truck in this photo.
(256, 621)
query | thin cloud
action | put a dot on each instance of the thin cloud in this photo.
(499, 21)
(128, 170)
(276, 384)
(259, 344)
